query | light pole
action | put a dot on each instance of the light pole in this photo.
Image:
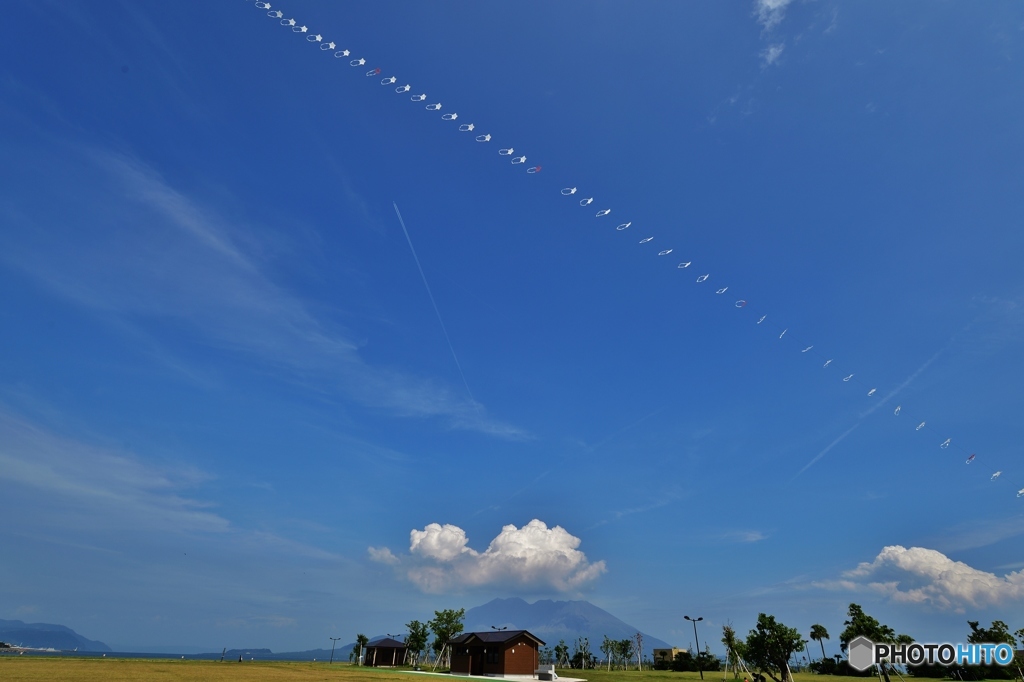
(495, 627)
(696, 642)
(394, 653)
(334, 640)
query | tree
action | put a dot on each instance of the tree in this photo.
(581, 656)
(446, 625)
(770, 646)
(624, 648)
(999, 633)
(819, 633)
(707, 661)
(733, 649)
(361, 641)
(684, 662)
(861, 624)
(608, 649)
(562, 653)
(416, 641)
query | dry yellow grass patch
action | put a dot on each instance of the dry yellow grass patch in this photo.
(46, 669)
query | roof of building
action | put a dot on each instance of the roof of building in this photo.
(386, 643)
(501, 636)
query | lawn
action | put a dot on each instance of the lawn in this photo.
(598, 675)
(40, 669)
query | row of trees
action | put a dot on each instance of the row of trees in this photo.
(771, 645)
(618, 653)
(621, 652)
(767, 650)
(446, 625)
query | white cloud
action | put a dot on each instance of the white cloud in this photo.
(153, 255)
(771, 54)
(442, 543)
(925, 576)
(382, 555)
(745, 536)
(86, 487)
(771, 12)
(80, 494)
(534, 556)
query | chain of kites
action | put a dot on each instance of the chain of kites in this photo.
(517, 159)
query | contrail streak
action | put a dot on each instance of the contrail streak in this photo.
(864, 414)
(434, 303)
(825, 451)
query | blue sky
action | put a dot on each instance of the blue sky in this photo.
(229, 414)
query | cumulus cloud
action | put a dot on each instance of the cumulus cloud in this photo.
(770, 12)
(534, 556)
(925, 576)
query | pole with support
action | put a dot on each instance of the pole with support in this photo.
(440, 655)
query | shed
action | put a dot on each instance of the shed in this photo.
(496, 653)
(384, 652)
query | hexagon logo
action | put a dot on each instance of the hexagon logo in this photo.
(861, 655)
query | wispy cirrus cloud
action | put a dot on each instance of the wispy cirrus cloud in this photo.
(132, 248)
(771, 54)
(770, 13)
(73, 493)
(744, 536)
(90, 487)
(980, 533)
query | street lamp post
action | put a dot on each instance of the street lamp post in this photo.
(334, 640)
(495, 627)
(696, 642)
(394, 653)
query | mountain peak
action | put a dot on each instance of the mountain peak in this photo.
(554, 620)
(44, 635)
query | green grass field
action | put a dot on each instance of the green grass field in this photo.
(39, 669)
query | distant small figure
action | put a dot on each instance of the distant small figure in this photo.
(239, 658)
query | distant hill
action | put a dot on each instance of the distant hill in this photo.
(46, 635)
(555, 620)
(340, 654)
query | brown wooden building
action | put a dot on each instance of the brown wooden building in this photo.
(384, 652)
(499, 652)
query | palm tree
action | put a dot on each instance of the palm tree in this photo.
(819, 633)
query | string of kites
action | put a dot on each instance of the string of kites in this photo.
(518, 159)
